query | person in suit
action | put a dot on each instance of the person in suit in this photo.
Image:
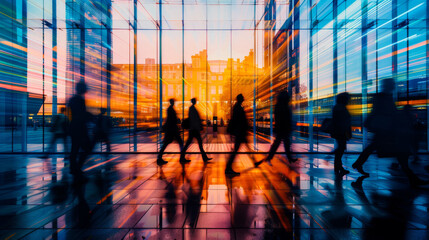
(171, 133)
(383, 107)
(79, 131)
(392, 133)
(282, 127)
(195, 127)
(237, 127)
(341, 130)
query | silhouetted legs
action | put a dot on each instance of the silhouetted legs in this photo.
(339, 152)
(79, 142)
(275, 146)
(401, 157)
(358, 164)
(169, 139)
(365, 155)
(237, 143)
(52, 145)
(103, 137)
(194, 134)
(403, 161)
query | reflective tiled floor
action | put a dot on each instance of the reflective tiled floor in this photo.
(129, 197)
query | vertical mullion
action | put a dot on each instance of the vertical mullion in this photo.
(395, 45)
(160, 69)
(364, 70)
(254, 75)
(310, 81)
(135, 76)
(427, 74)
(207, 65)
(335, 48)
(43, 77)
(183, 64)
(54, 57)
(109, 59)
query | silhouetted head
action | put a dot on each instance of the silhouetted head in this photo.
(62, 110)
(283, 97)
(388, 85)
(240, 98)
(172, 101)
(343, 98)
(194, 101)
(103, 110)
(81, 88)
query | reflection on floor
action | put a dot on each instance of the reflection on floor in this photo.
(128, 196)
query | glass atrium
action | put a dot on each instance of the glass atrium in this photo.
(137, 54)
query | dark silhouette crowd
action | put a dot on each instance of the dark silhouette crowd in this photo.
(83, 141)
(395, 132)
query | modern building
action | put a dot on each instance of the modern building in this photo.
(136, 55)
(133, 62)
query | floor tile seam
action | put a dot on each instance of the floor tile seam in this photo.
(37, 207)
(189, 228)
(133, 189)
(275, 191)
(148, 210)
(220, 204)
(29, 233)
(33, 195)
(57, 215)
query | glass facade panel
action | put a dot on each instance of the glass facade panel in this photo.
(135, 55)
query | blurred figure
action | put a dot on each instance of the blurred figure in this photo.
(193, 187)
(171, 132)
(59, 129)
(79, 131)
(35, 124)
(103, 125)
(391, 215)
(392, 133)
(237, 127)
(415, 135)
(80, 214)
(282, 127)
(170, 198)
(337, 215)
(341, 130)
(383, 108)
(195, 126)
(241, 197)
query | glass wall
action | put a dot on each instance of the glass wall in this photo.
(135, 55)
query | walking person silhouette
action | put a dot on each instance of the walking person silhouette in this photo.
(195, 126)
(59, 129)
(392, 133)
(171, 133)
(383, 108)
(237, 127)
(79, 131)
(282, 127)
(341, 130)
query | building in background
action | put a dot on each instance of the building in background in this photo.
(89, 49)
(314, 49)
(13, 75)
